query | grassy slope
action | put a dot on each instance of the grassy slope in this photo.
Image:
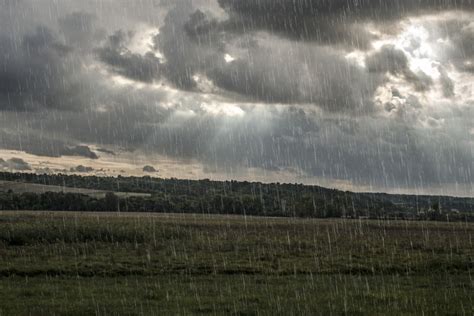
(23, 187)
(70, 263)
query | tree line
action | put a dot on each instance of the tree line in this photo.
(227, 197)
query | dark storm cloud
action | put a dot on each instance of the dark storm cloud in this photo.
(388, 59)
(318, 28)
(41, 142)
(373, 9)
(392, 60)
(183, 58)
(46, 75)
(81, 29)
(32, 71)
(325, 21)
(127, 119)
(39, 71)
(285, 74)
(269, 69)
(297, 74)
(134, 66)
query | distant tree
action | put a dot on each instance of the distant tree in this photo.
(436, 207)
(112, 202)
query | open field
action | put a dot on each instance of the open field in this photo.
(134, 264)
(24, 187)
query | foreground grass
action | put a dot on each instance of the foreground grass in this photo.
(66, 263)
(238, 294)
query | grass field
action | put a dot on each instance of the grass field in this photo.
(25, 187)
(159, 264)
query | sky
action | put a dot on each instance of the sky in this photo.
(366, 95)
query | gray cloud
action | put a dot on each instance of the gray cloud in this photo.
(392, 60)
(266, 69)
(149, 169)
(297, 74)
(455, 35)
(372, 9)
(15, 164)
(183, 57)
(81, 30)
(82, 169)
(446, 83)
(326, 21)
(463, 50)
(82, 151)
(388, 59)
(41, 142)
(116, 55)
(381, 153)
(33, 71)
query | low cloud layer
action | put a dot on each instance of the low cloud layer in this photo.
(115, 54)
(377, 94)
(14, 164)
(149, 169)
(81, 169)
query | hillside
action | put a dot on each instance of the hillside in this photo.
(27, 187)
(48, 192)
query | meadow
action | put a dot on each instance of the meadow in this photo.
(65, 263)
(25, 187)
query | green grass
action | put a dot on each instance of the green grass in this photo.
(25, 187)
(239, 295)
(135, 264)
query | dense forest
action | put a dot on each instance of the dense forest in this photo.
(227, 197)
